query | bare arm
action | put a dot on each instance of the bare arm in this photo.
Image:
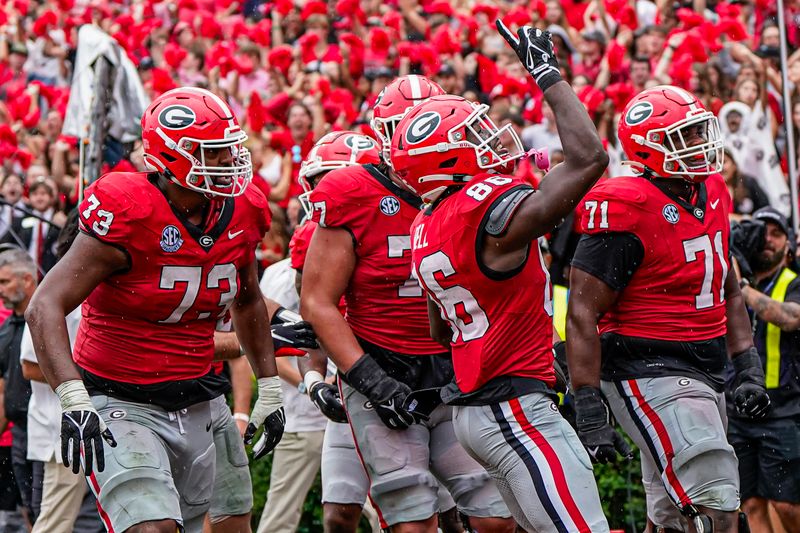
(329, 265)
(585, 160)
(589, 299)
(316, 361)
(242, 384)
(739, 332)
(785, 315)
(73, 278)
(440, 329)
(251, 322)
(288, 371)
(32, 372)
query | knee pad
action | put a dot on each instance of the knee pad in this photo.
(406, 496)
(712, 471)
(477, 495)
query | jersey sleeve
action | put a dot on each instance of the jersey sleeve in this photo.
(108, 211)
(298, 246)
(610, 257)
(612, 206)
(260, 213)
(337, 199)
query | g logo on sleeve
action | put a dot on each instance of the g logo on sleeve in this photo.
(176, 117)
(423, 127)
(638, 113)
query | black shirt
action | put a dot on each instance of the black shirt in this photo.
(17, 388)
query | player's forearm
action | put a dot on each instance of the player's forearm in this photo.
(316, 361)
(242, 384)
(739, 336)
(226, 346)
(785, 315)
(48, 325)
(288, 372)
(252, 328)
(32, 372)
(583, 351)
(333, 333)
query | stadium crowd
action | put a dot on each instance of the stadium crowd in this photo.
(293, 71)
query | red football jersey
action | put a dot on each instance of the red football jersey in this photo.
(385, 305)
(502, 322)
(678, 290)
(155, 322)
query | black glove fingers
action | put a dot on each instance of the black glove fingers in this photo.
(510, 38)
(76, 456)
(89, 446)
(249, 432)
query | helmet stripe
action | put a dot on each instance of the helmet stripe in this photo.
(688, 98)
(416, 86)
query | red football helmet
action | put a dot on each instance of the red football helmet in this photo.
(656, 129)
(394, 101)
(449, 140)
(334, 150)
(177, 129)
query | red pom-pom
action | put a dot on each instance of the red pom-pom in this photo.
(444, 41)
(518, 16)
(261, 33)
(379, 41)
(209, 27)
(620, 94)
(591, 99)
(490, 10)
(256, 117)
(280, 58)
(45, 21)
(615, 53)
(733, 28)
(7, 135)
(441, 7)
(174, 55)
(284, 7)
(243, 65)
(161, 81)
(689, 18)
(314, 7)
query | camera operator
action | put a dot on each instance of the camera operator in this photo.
(769, 449)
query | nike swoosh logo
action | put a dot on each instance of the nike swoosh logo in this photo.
(714, 203)
(593, 451)
(208, 427)
(234, 234)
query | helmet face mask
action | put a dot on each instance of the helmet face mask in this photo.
(667, 131)
(334, 150)
(448, 140)
(180, 127)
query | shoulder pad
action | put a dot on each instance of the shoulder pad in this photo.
(613, 205)
(337, 196)
(113, 203)
(503, 208)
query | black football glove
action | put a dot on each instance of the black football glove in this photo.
(86, 429)
(326, 397)
(386, 394)
(422, 402)
(274, 425)
(750, 396)
(293, 339)
(534, 48)
(601, 440)
(747, 239)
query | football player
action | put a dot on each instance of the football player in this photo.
(344, 480)
(161, 256)
(475, 252)
(382, 347)
(655, 311)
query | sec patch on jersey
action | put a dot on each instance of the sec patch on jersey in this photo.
(389, 205)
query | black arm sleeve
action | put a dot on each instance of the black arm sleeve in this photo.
(610, 257)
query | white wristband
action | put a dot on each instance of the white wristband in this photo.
(270, 397)
(311, 378)
(73, 396)
(241, 417)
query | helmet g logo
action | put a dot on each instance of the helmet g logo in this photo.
(423, 127)
(359, 143)
(639, 113)
(176, 117)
